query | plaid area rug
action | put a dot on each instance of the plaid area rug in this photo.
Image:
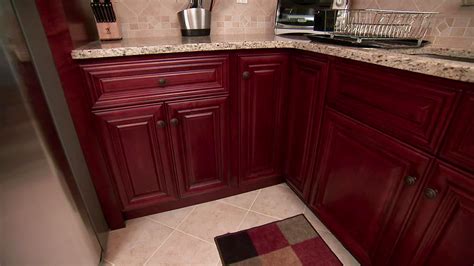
(292, 241)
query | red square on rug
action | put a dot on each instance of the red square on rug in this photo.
(267, 238)
(313, 250)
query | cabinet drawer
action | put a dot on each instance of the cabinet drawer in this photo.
(409, 107)
(139, 81)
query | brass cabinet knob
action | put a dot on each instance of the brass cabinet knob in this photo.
(162, 82)
(161, 124)
(430, 193)
(246, 75)
(410, 180)
(174, 122)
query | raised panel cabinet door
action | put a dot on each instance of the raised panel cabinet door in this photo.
(135, 143)
(459, 147)
(412, 108)
(366, 182)
(262, 87)
(200, 137)
(306, 101)
(442, 229)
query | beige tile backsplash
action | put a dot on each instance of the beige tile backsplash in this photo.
(454, 26)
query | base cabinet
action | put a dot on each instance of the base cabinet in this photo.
(365, 184)
(306, 101)
(262, 85)
(200, 144)
(459, 147)
(135, 144)
(441, 231)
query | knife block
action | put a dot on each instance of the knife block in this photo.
(109, 31)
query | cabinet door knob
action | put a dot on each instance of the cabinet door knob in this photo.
(430, 193)
(161, 124)
(174, 122)
(246, 75)
(410, 180)
(162, 82)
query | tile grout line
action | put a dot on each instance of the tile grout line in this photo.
(248, 210)
(174, 230)
(233, 205)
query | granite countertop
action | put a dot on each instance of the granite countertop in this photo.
(405, 59)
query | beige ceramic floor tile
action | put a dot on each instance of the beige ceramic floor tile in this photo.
(317, 224)
(278, 201)
(341, 252)
(212, 219)
(182, 249)
(254, 219)
(134, 244)
(172, 218)
(243, 200)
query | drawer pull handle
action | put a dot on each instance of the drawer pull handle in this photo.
(410, 180)
(430, 193)
(174, 122)
(161, 124)
(246, 75)
(162, 82)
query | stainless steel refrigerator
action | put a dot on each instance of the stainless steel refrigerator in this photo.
(49, 213)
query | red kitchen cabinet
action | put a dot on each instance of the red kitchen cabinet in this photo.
(263, 85)
(366, 182)
(411, 108)
(459, 148)
(441, 231)
(135, 144)
(306, 101)
(200, 143)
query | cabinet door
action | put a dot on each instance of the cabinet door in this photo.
(200, 137)
(306, 100)
(459, 147)
(441, 231)
(363, 190)
(262, 83)
(135, 144)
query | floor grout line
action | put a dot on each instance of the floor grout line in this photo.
(156, 250)
(247, 213)
(174, 230)
(233, 205)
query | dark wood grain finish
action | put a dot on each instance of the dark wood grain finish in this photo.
(441, 231)
(139, 81)
(200, 144)
(262, 115)
(360, 191)
(415, 110)
(459, 147)
(136, 147)
(306, 100)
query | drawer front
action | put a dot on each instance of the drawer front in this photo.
(459, 146)
(131, 82)
(415, 111)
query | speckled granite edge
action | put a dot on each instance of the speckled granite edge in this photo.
(441, 68)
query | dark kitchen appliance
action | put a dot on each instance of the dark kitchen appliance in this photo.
(298, 16)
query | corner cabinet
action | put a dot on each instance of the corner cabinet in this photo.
(308, 77)
(365, 184)
(262, 89)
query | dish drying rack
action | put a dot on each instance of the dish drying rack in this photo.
(376, 24)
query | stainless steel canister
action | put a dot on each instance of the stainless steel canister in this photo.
(195, 21)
